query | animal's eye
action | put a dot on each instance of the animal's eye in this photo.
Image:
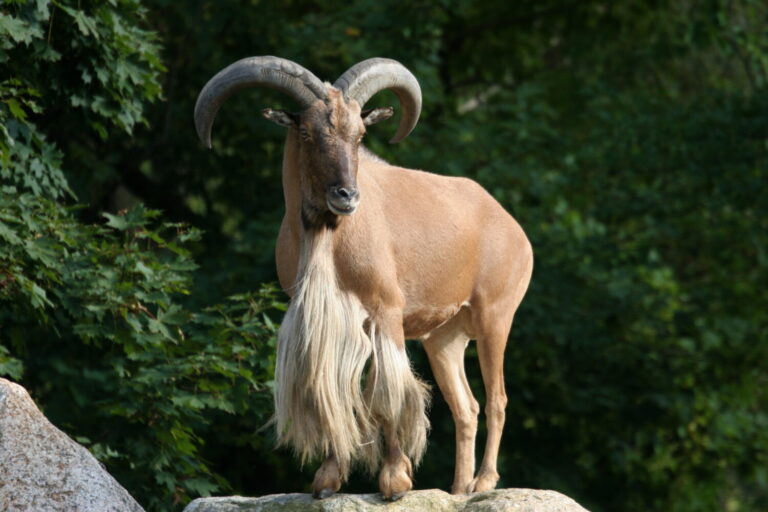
(304, 133)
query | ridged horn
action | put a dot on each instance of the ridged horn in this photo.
(366, 78)
(266, 71)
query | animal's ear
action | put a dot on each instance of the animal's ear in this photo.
(281, 117)
(374, 115)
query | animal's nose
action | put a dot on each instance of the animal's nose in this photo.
(345, 193)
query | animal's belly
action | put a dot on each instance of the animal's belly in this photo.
(420, 320)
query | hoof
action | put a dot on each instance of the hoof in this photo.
(463, 488)
(484, 482)
(398, 495)
(323, 493)
(395, 478)
(395, 497)
(327, 479)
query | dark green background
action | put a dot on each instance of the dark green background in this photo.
(630, 139)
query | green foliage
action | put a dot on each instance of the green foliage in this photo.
(92, 55)
(628, 138)
(78, 69)
(94, 319)
(142, 372)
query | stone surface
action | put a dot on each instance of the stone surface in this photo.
(432, 500)
(41, 469)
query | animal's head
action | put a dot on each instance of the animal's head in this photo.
(330, 125)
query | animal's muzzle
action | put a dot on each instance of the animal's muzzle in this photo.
(343, 200)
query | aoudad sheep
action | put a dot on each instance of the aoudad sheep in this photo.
(372, 254)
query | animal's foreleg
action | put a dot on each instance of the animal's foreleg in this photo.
(398, 403)
(395, 478)
(328, 478)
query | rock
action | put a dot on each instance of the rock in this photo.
(41, 469)
(432, 500)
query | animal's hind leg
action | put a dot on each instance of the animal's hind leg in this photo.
(445, 349)
(491, 342)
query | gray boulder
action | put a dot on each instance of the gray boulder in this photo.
(432, 500)
(41, 469)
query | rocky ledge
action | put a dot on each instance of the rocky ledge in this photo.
(41, 469)
(432, 500)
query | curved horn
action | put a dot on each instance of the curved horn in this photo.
(366, 78)
(267, 71)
